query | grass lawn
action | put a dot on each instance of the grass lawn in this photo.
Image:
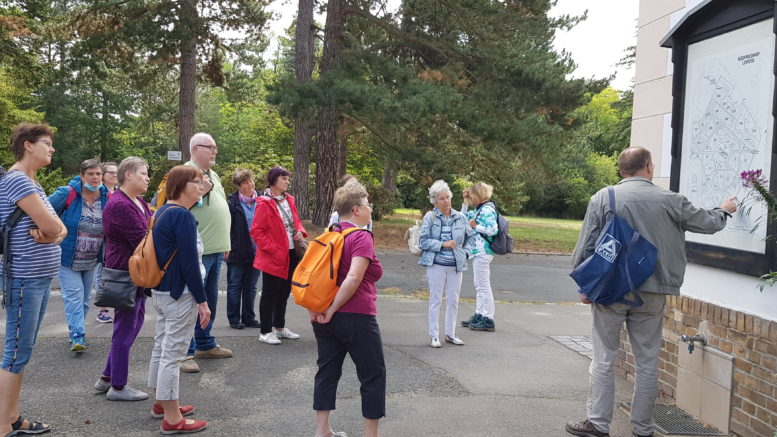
(533, 234)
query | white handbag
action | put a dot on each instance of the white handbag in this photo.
(413, 238)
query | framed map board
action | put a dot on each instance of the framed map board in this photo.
(723, 124)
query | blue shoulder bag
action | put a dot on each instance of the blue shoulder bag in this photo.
(622, 261)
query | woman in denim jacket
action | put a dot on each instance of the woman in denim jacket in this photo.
(445, 239)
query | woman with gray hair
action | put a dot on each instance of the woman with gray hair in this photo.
(445, 239)
(125, 220)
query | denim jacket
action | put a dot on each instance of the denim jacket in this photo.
(431, 228)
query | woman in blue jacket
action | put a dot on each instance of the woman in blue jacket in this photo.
(80, 204)
(445, 238)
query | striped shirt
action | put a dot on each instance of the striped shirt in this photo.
(29, 259)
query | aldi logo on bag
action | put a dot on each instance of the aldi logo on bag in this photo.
(609, 248)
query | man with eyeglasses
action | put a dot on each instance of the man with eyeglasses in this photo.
(212, 214)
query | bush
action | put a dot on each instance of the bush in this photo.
(383, 201)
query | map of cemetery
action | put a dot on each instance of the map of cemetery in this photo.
(726, 139)
(727, 129)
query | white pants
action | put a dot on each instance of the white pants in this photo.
(481, 271)
(174, 330)
(443, 279)
(644, 325)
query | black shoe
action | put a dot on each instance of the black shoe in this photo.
(585, 429)
(253, 324)
(637, 435)
(237, 325)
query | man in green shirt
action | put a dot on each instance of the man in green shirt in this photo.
(213, 219)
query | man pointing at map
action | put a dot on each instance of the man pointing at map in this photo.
(662, 217)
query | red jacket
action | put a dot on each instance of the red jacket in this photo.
(269, 234)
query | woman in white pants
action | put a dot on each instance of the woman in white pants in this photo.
(483, 219)
(178, 299)
(445, 239)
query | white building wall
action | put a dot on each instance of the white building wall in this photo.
(651, 128)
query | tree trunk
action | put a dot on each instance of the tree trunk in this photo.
(303, 132)
(389, 177)
(342, 152)
(186, 96)
(104, 132)
(328, 118)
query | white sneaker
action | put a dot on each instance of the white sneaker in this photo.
(435, 342)
(269, 338)
(102, 386)
(454, 340)
(286, 333)
(128, 394)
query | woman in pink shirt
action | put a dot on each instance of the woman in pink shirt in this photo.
(349, 325)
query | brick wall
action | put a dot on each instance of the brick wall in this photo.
(750, 339)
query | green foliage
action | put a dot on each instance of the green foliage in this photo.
(383, 201)
(50, 180)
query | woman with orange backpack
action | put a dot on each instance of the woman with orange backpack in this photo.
(349, 325)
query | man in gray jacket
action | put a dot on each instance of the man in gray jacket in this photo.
(662, 217)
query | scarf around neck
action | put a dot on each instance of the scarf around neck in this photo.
(248, 200)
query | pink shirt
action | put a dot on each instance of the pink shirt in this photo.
(364, 299)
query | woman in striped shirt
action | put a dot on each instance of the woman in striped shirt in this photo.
(30, 263)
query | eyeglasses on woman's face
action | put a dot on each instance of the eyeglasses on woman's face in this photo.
(198, 182)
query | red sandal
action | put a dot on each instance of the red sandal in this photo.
(183, 427)
(157, 412)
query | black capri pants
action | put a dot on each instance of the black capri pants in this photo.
(359, 336)
(275, 295)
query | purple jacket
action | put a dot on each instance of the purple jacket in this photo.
(124, 226)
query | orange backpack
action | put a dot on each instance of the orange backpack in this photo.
(143, 267)
(314, 283)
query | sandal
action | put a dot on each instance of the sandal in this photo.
(34, 427)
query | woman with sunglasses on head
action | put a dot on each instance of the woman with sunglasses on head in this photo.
(275, 228)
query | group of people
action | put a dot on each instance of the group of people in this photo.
(90, 223)
(98, 220)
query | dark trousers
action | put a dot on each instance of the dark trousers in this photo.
(203, 340)
(358, 335)
(275, 295)
(241, 292)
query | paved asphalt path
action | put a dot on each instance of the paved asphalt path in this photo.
(513, 382)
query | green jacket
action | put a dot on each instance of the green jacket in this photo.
(661, 216)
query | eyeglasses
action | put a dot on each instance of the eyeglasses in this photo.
(208, 146)
(368, 205)
(46, 142)
(110, 172)
(197, 181)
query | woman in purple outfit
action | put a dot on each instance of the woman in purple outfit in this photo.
(125, 221)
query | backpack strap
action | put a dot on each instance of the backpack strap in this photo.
(71, 196)
(152, 223)
(611, 193)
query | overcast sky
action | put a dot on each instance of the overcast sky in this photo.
(596, 44)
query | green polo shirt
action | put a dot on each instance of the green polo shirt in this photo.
(213, 219)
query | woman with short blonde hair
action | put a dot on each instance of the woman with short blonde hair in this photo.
(483, 219)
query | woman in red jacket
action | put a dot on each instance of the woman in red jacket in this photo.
(275, 228)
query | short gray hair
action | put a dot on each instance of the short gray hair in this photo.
(198, 138)
(437, 188)
(130, 164)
